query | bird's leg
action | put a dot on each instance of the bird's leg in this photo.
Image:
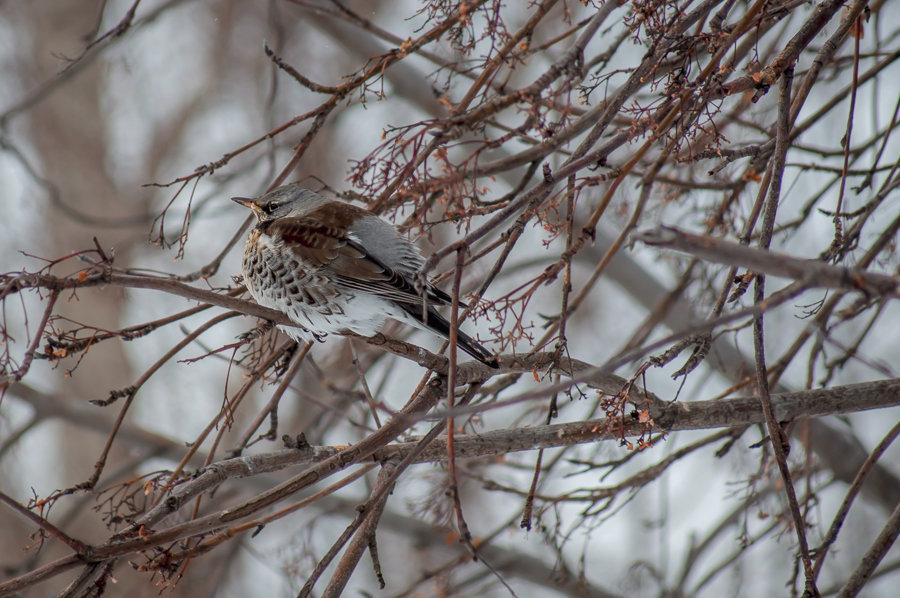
(284, 361)
(262, 328)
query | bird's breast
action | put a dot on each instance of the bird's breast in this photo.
(278, 278)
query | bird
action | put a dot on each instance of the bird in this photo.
(333, 267)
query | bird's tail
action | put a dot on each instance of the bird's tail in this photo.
(436, 323)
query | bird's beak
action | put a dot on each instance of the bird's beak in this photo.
(245, 201)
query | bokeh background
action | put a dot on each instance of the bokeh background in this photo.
(97, 110)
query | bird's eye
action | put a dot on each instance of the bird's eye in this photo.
(270, 207)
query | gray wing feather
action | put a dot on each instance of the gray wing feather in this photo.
(383, 242)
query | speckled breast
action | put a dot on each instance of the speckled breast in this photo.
(277, 279)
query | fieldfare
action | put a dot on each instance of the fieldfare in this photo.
(333, 267)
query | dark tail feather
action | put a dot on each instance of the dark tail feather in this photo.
(439, 325)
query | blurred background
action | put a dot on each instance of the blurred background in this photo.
(124, 125)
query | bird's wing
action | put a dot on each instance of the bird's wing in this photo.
(333, 249)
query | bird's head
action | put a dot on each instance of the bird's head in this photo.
(289, 200)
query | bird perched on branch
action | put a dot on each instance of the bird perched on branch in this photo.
(333, 267)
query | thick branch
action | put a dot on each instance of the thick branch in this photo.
(811, 273)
